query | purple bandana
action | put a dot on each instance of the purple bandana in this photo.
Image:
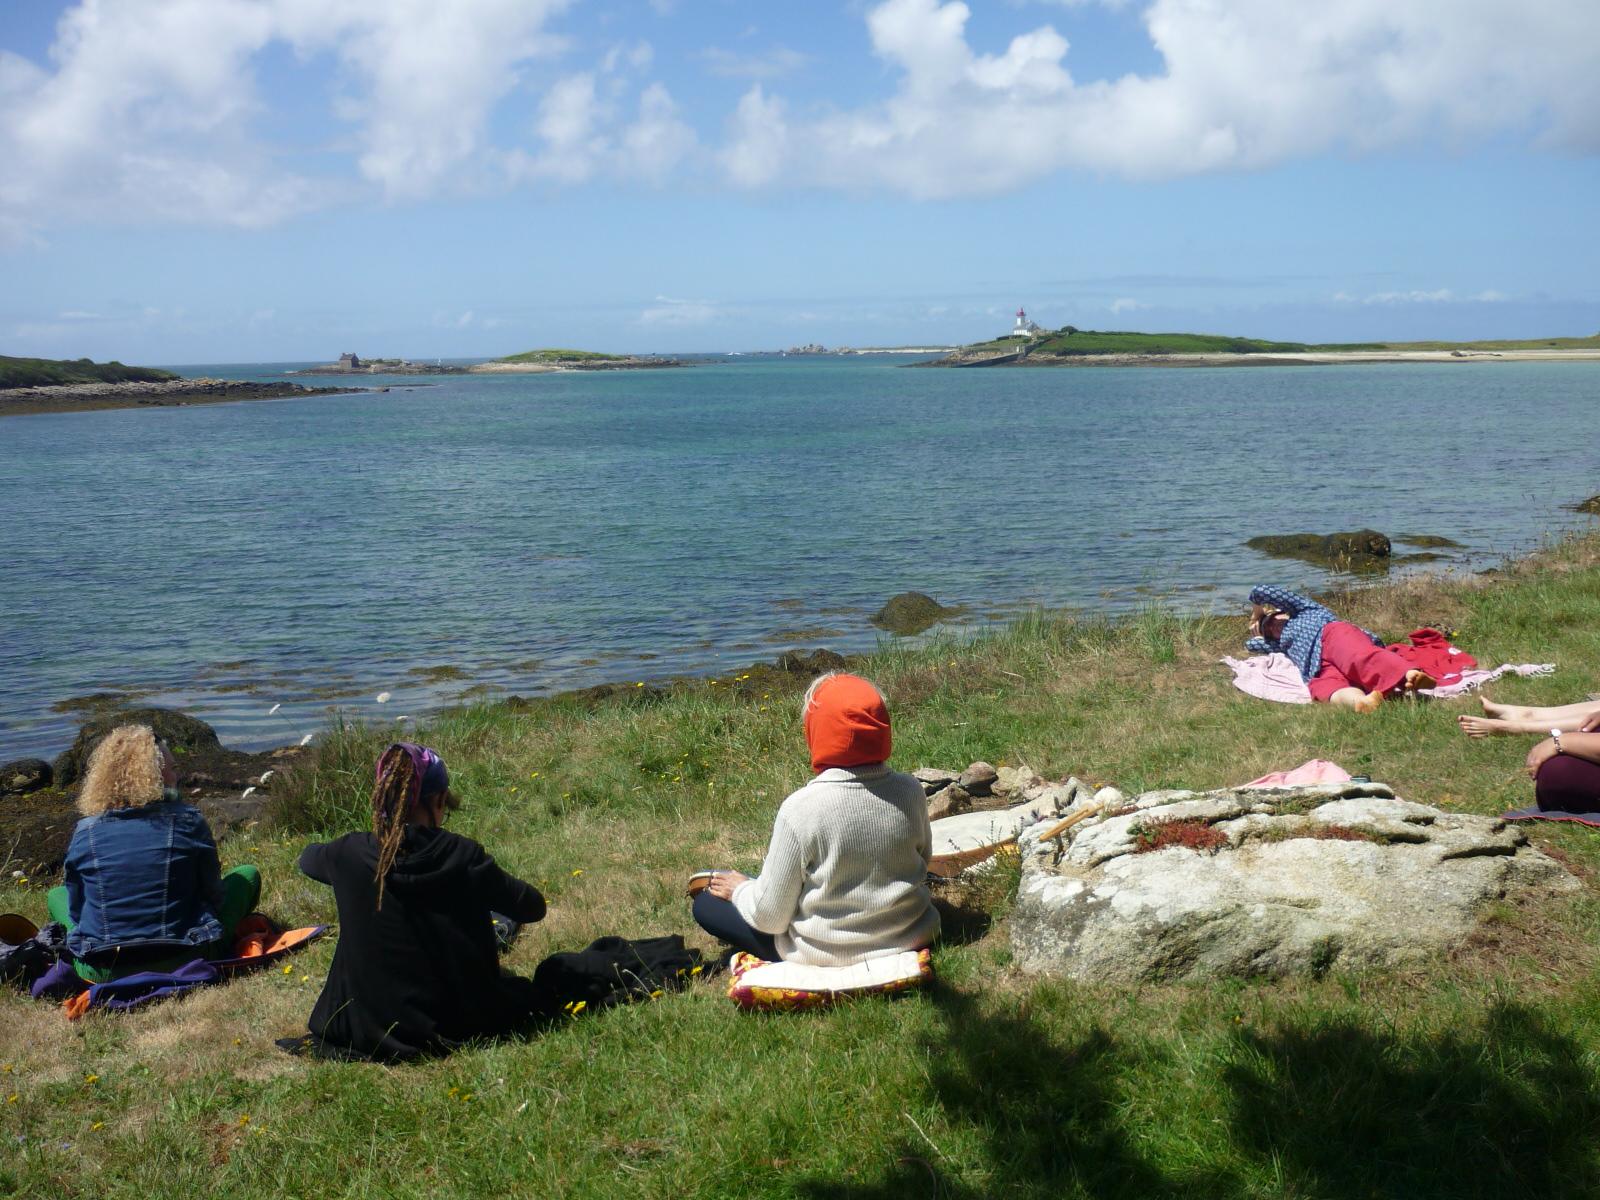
(428, 776)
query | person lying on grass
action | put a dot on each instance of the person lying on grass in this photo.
(845, 874)
(1516, 718)
(1341, 663)
(144, 889)
(416, 969)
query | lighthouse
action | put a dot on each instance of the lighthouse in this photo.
(1024, 327)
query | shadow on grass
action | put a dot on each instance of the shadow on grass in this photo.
(1506, 1108)
(1047, 1116)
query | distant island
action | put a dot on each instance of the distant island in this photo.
(1029, 346)
(46, 385)
(354, 364)
(531, 362)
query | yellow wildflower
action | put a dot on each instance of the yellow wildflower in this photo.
(98, 1125)
(91, 1079)
(577, 871)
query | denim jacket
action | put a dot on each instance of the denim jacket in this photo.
(144, 876)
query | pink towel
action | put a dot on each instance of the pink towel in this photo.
(1316, 770)
(1269, 677)
(1274, 677)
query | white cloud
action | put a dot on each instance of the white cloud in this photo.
(1125, 304)
(668, 313)
(1245, 85)
(758, 135)
(583, 136)
(1423, 296)
(149, 108)
(657, 140)
(770, 64)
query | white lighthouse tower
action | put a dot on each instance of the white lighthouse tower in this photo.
(1024, 327)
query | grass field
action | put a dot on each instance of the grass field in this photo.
(1088, 341)
(559, 356)
(1477, 1077)
(37, 372)
(1564, 343)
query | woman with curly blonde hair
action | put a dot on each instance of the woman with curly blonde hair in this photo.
(144, 890)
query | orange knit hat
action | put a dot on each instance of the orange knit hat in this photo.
(847, 724)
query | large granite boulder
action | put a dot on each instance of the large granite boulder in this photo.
(1264, 882)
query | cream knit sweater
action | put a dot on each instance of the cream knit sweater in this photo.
(845, 874)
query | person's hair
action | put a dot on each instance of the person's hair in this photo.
(124, 771)
(392, 806)
(811, 692)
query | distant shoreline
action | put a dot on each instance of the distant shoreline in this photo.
(175, 393)
(1311, 358)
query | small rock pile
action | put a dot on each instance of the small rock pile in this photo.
(982, 787)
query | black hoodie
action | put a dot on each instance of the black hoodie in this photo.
(421, 973)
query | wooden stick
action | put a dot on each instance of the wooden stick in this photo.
(1061, 827)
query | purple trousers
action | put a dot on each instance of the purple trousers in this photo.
(1568, 784)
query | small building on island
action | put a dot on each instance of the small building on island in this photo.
(350, 362)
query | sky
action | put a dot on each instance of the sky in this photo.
(209, 181)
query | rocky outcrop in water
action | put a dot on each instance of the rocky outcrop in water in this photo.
(910, 613)
(1361, 547)
(1264, 882)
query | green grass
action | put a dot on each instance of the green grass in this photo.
(1476, 1077)
(553, 356)
(1089, 341)
(1563, 343)
(1062, 344)
(37, 372)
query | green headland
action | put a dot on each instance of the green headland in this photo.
(44, 372)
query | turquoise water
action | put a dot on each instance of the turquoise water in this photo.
(533, 533)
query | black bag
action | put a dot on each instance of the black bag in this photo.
(23, 962)
(614, 970)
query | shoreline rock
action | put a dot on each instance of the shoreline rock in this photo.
(94, 397)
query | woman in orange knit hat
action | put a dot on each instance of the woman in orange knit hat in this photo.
(845, 874)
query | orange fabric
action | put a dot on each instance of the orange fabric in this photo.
(251, 937)
(76, 1006)
(291, 938)
(847, 724)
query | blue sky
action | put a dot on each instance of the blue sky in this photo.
(265, 180)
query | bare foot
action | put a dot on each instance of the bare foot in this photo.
(1416, 679)
(1477, 727)
(1502, 712)
(1368, 703)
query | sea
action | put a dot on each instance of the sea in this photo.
(384, 554)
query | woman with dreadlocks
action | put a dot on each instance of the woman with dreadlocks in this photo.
(416, 969)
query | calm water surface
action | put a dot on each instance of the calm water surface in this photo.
(532, 533)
